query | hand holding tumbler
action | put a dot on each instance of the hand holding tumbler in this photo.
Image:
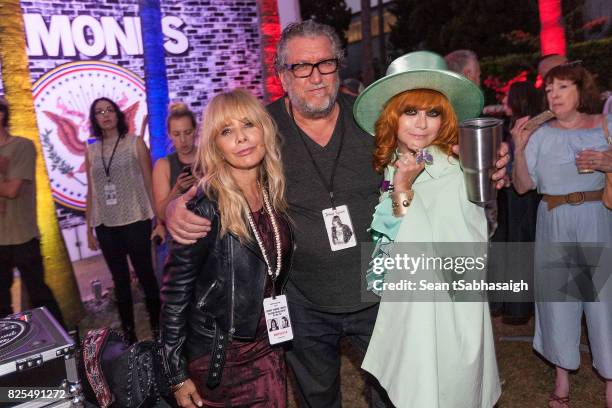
(479, 140)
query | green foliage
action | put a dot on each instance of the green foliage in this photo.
(415, 18)
(596, 56)
(573, 19)
(334, 13)
(489, 27)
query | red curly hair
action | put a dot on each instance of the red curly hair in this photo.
(419, 99)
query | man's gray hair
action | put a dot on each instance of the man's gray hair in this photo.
(307, 28)
(459, 59)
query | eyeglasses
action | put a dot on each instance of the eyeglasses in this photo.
(305, 69)
(100, 112)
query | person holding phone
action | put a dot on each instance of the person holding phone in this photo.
(172, 175)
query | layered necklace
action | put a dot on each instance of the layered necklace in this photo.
(277, 238)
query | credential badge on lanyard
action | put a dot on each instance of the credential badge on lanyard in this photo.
(110, 189)
(339, 227)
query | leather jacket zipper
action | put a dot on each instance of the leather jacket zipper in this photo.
(232, 329)
(203, 298)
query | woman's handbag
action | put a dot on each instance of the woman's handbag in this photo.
(120, 375)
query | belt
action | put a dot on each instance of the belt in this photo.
(217, 359)
(572, 198)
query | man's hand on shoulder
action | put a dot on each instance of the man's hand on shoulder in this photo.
(185, 226)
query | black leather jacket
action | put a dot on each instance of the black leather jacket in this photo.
(212, 284)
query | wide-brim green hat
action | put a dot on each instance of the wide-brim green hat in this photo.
(418, 70)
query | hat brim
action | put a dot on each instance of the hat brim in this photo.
(464, 96)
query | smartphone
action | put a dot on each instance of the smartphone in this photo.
(539, 120)
(187, 170)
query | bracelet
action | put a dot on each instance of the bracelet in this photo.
(177, 387)
(400, 201)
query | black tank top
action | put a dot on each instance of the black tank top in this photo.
(176, 166)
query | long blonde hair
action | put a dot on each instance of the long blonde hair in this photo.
(217, 181)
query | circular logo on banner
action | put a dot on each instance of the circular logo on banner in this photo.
(62, 98)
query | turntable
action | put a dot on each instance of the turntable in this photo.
(35, 352)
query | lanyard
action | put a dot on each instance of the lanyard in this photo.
(110, 161)
(328, 186)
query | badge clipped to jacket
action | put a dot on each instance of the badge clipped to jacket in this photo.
(278, 321)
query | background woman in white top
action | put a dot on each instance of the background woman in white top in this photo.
(119, 207)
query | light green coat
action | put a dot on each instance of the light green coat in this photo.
(433, 354)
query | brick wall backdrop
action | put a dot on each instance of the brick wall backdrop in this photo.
(223, 40)
(223, 53)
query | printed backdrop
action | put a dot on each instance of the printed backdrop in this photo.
(81, 50)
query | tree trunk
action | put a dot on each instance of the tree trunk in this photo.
(367, 71)
(381, 37)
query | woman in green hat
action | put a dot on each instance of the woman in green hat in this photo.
(425, 353)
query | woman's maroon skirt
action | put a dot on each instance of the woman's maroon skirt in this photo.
(254, 375)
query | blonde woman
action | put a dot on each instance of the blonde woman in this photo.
(213, 326)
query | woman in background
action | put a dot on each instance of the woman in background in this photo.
(119, 208)
(571, 211)
(173, 174)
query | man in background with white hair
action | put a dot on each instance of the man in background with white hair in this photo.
(464, 62)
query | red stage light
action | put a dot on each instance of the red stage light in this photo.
(552, 35)
(270, 32)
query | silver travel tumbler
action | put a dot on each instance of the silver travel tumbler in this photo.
(479, 140)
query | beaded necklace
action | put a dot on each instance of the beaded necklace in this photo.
(277, 240)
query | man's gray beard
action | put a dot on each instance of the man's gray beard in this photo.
(310, 111)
